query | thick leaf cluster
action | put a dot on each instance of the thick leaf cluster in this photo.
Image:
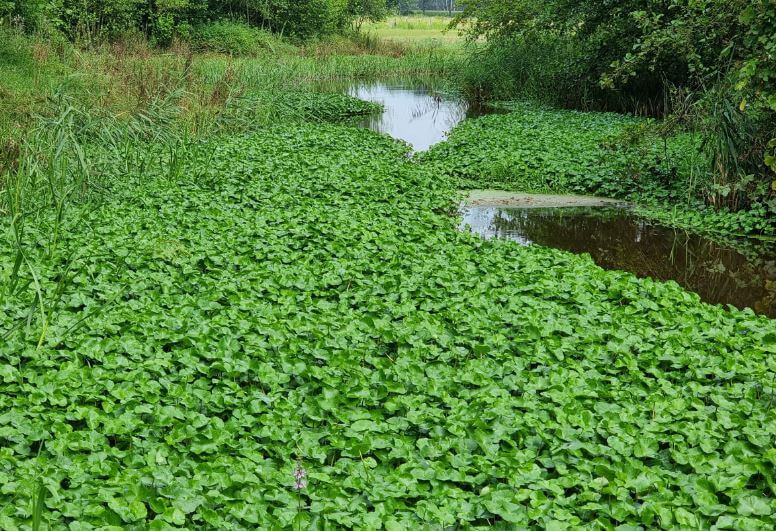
(541, 150)
(301, 296)
(538, 149)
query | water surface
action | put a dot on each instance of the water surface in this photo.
(413, 112)
(617, 239)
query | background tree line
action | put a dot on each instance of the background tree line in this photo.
(161, 20)
(405, 7)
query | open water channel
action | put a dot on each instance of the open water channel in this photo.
(744, 276)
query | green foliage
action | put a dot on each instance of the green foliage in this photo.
(301, 18)
(165, 20)
(757, 75)
(682, 40)
(236, 38)
(306, 18)
(542, 67)
(366, 10)
(735, 140)
(723, 226)
(95, 20)
(636, 45)
(24, 78)
(535, 149)
(22, 13)
(259, 108)
(630, 56)
(531, 148)
(301, 296)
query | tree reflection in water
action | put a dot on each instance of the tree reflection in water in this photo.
(616, 239)
(413, 111)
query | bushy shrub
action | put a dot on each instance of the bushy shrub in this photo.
(21, 13)
(305, 18)
(235, 38)
(542, 67)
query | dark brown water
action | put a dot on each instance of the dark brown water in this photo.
(617, 239)
(413, 112)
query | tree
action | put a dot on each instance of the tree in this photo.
(361, 11)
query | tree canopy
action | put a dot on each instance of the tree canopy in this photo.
(163, 19)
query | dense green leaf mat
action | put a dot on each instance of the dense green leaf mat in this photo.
(532, 148)
(302, 294)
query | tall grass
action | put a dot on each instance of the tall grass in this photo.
(121, 114)
(554, 69)
(293, 70)
(547, 69)
(414, 22)
(731, 169)
(121, 77)
(69, 159)
(416, 30)
(735, 144)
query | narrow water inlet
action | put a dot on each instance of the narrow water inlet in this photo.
(618, 239)
(413, 112)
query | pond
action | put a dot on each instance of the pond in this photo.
(617, 239)
(414, 112)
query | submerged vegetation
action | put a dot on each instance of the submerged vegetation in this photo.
(224, 306)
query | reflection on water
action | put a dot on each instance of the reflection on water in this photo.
(619, 240)
(413, 113)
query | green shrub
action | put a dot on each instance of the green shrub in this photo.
(543, 67)
(21, 13)
(236, 38)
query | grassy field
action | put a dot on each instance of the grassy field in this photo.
(415, 29)
(224, 307)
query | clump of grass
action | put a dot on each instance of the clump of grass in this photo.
(29, 69)
(238, 38)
